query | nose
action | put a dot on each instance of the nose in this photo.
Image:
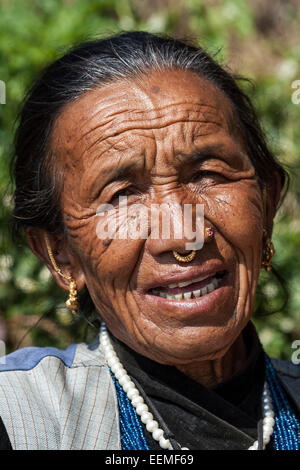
(179, 231)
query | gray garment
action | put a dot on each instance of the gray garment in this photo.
(53, 399)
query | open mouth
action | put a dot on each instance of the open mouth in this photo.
(188, 290)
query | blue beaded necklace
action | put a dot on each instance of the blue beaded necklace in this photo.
(132, 436)
(286, 434)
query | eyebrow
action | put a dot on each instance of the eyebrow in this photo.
(113, 173)
(200, 154)
(120, 171)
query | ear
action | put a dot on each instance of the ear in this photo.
(65, 259)
(271, 197)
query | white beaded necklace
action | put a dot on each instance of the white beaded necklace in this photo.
(143, 411)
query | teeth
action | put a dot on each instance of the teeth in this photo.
(187, 283)
(183, 284)
(178, 296)
(210, 287)
(191, 294)
(187, 295)
(162, 294)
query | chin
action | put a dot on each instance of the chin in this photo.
(185, 344)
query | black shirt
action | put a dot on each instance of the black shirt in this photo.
(225, 417)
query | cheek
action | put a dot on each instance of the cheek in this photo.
(107, 263)
(239, 216)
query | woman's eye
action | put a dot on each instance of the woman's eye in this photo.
(203, 174)
(121, 193)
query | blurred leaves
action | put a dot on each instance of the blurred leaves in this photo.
(258, 38)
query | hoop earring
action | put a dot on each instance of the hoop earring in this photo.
(268, 252)
(72, 301)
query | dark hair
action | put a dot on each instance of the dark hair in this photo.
(91, 64)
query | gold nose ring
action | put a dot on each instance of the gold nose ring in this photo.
(191, 255)
(184, 258)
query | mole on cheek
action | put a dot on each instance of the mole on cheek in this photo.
(155, 89)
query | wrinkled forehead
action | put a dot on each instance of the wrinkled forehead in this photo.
(151, 101)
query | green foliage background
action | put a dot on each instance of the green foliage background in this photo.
(258, 39)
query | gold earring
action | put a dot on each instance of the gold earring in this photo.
(268, 252)
(72, 302)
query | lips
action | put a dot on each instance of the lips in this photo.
(189, 289)
(211, 306)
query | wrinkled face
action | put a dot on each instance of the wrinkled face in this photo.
(167, 138)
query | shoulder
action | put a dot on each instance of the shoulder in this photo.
(46, 372)
(26, 359)
(29, 358)
(46, 392)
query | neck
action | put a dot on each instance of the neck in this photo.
(210, 373)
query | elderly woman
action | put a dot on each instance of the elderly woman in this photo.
(141, 121)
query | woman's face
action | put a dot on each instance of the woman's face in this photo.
(169, 138)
